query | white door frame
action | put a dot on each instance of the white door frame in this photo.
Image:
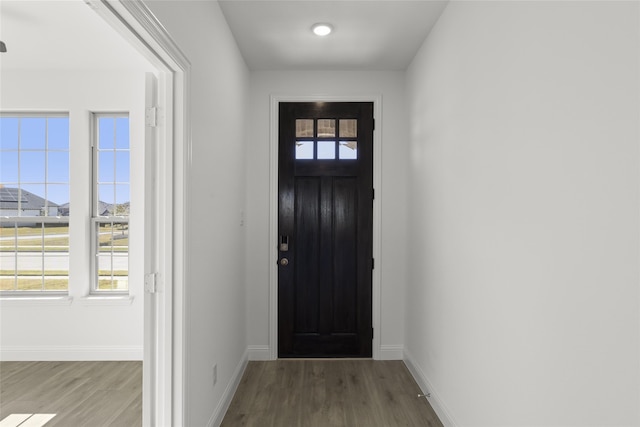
(273, 210)
(163, 385)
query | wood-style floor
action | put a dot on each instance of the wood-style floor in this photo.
(326, 393)
(88, 394)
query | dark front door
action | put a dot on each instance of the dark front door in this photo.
(325, 229)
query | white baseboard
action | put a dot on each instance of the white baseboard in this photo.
(391, 352)
(425, 385)
(227, 396)
(69, 353)
(259, 352)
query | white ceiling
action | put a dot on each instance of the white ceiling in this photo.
(61, 35)
(272, 35)
(369, 34)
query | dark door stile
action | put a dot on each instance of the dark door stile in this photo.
(325, 234)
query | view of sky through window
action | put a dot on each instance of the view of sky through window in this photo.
(34, 156)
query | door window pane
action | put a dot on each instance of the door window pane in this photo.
(349, 128)
(326, 128)
(348, 150)
(326, 150)
(304, 150)
(304, 128)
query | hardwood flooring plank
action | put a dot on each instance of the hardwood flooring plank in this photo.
(79, 393)
(328, 393)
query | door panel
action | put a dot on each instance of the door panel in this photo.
(325, 218)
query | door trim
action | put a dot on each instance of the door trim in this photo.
(164, 404)
(273, 210)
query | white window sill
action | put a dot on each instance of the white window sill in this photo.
(35, 300)
(107, 300)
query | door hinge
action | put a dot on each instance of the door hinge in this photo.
(151, 117)
(151, 283)
(373, 263)
(374, 124)
(372, 332)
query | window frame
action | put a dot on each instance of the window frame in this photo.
(44, 220)
(95, 218)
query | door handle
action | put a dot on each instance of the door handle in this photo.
(284, 261)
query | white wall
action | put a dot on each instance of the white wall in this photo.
(81, 330)
(214, 292)
(392, 195)
(523, 302)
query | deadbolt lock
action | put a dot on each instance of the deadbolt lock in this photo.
(284, 261)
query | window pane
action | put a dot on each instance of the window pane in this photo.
(29, 283)
(28, 267)
(349, 128)
(326, 149)
(106, 198)
(105, 132)
(113, 257)
(58, 194)
(8, 133)
(304, 150)
(56, 257)
(8, 283)
(106, 166)
(32, 166)
(326, 128)
(58, 128)
(32, 133)
(122, 132)
(8, 166)
(33, 200)
(58, 166)
(348, 150)
(122, 200)
(122, 166)
(8, 243)
(304, 128)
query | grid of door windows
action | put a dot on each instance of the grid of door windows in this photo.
(326, 139)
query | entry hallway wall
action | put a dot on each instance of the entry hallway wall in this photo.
(523, 298)
(215, 326)
(393, 193)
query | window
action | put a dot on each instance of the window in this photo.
(111, 203)
(316, 139)
(34, 203)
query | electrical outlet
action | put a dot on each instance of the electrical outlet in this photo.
(214, 371)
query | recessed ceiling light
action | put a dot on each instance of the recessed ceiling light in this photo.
(322, 29)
